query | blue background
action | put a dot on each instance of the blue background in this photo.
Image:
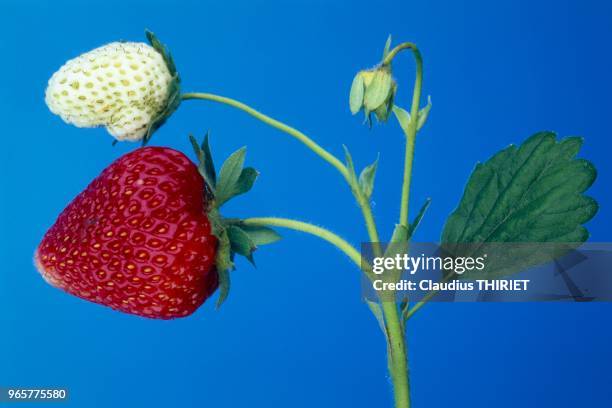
(294, 331)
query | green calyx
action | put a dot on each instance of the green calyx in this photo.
(373, 90)
(173, 98)
(234, 237)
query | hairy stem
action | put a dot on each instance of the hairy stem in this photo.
(412, 126)
(311, 229)
(398, 356)
(311, 144)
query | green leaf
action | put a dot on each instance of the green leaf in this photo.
(387, 47)
(377, 92)
(403, 117)
(241, 242)
(366, 178)
(532, 193)
(230, 172)
(261, 235)
(424, 114)
(417, 220)
(356, 94)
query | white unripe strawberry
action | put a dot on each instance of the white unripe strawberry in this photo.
(123, 86)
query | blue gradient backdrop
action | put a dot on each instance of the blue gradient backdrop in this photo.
(294, 331)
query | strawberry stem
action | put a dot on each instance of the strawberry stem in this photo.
(311, 144)
(311, 229)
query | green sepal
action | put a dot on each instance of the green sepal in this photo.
(399, 241)
(245, 181)
(377, 92)
(233, 178)
(398, 245)
(224, 264)
(236, 238)
(400, 233)
(231, 169)
(367, 118)
(424, 114)
(356, 94)
(206, 166)
(349, 161)
(245, 239)
(365, 182)
(403, 117)
(366, 178)
(417, 220)
(209, 164)
(196, 149)
(163, 50)
(387, 47)
(233, 236)
(241, 242)
(383, 112)
(261, 235)
(224, 286)
(173, 98)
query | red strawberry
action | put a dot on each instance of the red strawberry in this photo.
(137, 239)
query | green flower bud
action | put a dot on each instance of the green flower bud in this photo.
(373, 91)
